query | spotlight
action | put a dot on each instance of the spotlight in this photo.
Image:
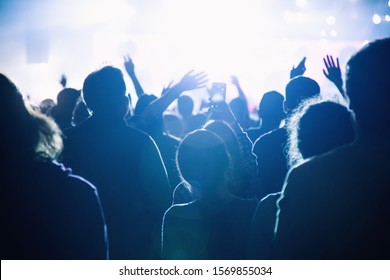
(376, 19)
(387, 18)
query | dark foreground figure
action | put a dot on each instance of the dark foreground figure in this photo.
(336, 206)
(46, 212)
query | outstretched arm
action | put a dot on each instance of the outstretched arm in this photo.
(129, 66)
(299, 70)
(333, 72)
(241, 93)
(242, 96)
(190, 81)
(249, 160)
(167, 88)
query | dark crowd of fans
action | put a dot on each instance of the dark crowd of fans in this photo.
(94, 176)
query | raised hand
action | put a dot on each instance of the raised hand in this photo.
(299, 70)
(191, 81)
(234, 80)
(63, 80)
(333, 72)
(167, 88)
(129, 65)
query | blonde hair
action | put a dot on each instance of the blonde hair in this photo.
(49, 145)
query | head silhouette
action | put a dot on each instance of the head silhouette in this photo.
(202, 158)
(66, 103)
(143, 102)
(104, 92)
(367, 85)
(299, 89)
(271, 106)
(224, 131)
(68, 97)
(185, 105)
(319, 127)
(323, 127)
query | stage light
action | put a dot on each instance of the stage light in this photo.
(387, 18)
(331, 20)
(389, 3)
(376, 19)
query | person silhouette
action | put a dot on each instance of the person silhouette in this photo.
(306, 129)
(216, 225)
(335, 206)
(151, 119)
(239, 106)
(124, 164)
(62, 113)
(46, 211)
(271, 114)
(270, 148)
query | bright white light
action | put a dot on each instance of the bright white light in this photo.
(331, 20)
(365, 42)
(299, 17)
(389, 3)
(301, 3)
(387, 18)
(324, 43)
(97, 11)
(288, 16)
(323, 33)
(333, 33)
(376, 19)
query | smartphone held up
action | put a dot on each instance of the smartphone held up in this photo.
(217, 93)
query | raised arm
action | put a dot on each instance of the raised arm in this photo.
(333, 73)
(129, 66)
(190, 81)
(63, 80)
(249, 159)
(241, 93)
(167, 88)
(299, 70)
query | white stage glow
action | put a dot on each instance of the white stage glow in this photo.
(258, 41)
(301, 3)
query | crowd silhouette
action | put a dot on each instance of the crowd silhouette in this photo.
(95, 176)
